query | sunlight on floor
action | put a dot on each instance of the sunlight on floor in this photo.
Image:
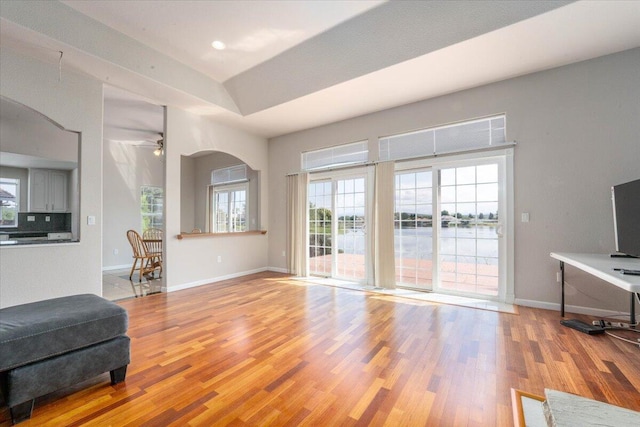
(416, 295)
(116, 285)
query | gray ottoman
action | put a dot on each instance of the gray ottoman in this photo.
(52, 344)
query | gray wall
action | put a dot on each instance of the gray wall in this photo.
(127, 168)
(577, 129)
(75, 103)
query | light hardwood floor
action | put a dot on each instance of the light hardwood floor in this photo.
(265, 350)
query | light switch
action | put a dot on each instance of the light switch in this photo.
(31, 218)
(47, 218)
(525, 216)
(91, 220)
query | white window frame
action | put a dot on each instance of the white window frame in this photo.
(504, 157)
(151, 214)
(228, 188)
(365, 172)
(16, 182)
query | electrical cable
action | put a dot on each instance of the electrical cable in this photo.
(620, 314)
(622, 338)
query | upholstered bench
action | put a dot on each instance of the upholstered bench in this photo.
(52, 344)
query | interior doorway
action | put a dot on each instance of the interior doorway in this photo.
(133, 180)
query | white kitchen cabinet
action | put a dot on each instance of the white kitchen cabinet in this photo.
(47, 190)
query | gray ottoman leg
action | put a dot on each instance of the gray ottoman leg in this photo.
(117, 375)
(22, 411)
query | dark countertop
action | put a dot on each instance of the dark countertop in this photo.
(33, 242)
(32, 233)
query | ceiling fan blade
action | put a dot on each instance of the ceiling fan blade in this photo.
(123, 133)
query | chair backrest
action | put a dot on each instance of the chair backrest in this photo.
(137, 245)
(153, 234)
(153, 240)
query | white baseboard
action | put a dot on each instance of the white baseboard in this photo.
(211, 280)
(570, 308)
(278, 270)
(116, 267)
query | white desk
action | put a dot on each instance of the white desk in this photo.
(561, 409)
(602, 266)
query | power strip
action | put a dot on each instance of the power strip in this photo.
(607, 324)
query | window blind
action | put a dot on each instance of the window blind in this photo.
(465, 136)
(228, 175)
(347, 154)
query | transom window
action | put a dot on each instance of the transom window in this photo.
(340, 155)
(453, 138)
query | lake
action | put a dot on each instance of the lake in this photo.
(455, 243)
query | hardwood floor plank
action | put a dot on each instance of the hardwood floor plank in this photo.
(267, 350)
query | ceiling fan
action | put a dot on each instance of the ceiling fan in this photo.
(156, 144)
(159, 151)
(136, 137)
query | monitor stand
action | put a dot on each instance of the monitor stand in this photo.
(623, 256)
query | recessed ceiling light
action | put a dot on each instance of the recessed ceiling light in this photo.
(218, 45)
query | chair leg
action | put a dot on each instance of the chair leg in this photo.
(133, 267)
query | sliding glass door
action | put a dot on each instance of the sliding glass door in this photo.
(413, 228)
(449, 230)
(470, 229)
(337, 228)
(450, 233)
(320, 216)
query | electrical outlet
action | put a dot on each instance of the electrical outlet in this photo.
(115, 252)
(284, 253)
(525, 217)
(47, 218)
(219, 258)
(558, 277)
(31, 218)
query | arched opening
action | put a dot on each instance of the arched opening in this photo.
(219, 193)
(39, 178)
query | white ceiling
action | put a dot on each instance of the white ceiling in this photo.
(253, 31)
(295, 65)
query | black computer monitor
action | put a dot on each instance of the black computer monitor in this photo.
(626, 217)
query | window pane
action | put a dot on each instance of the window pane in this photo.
(9, 202)
(151, 207)
(230, 209)
(413, 229)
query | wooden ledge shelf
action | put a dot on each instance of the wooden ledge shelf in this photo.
(240, 233)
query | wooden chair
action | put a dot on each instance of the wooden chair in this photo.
(148, 260)
(153, 238)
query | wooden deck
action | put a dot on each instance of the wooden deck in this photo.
(264, 350)
(480, 279)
